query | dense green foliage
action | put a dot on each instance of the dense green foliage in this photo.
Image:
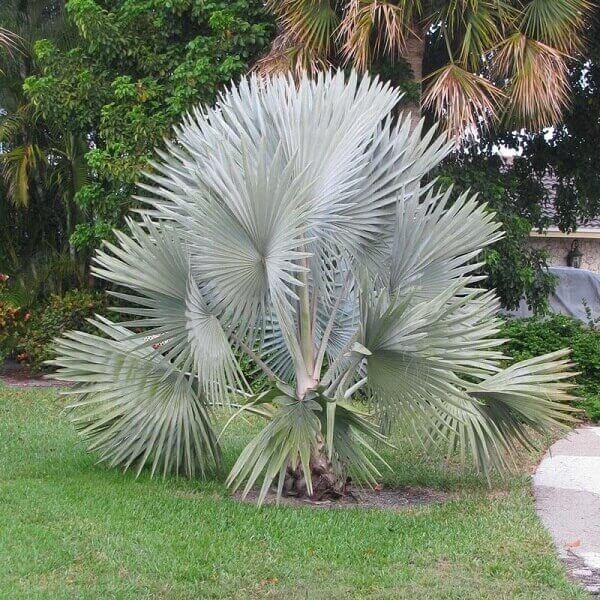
(513, 268)
(137, 66)
(26, 334)
(530, 337)
(73, 529)
(94, 87)
(40, 168)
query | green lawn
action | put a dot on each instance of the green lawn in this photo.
(73, 529)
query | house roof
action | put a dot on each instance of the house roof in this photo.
(549, 208)
(585, 229)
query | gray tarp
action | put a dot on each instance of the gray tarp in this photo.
(574, 285)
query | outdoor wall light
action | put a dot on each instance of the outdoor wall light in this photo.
(574, 256)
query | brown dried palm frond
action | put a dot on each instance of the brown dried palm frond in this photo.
(8, 39)
(557, 23)
(288, 55)
(461, 99)
(310, 23)
(376, 26)
(538, 80)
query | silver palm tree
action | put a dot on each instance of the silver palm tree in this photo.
(289, 224)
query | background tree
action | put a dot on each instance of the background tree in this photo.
(134, 69)
(556, 168)
(502, 59)
(35, 199)
(570, 153)
(87, 90)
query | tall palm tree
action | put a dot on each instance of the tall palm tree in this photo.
(287, 224)
(502, 58)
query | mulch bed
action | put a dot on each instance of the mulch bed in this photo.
(395, 499)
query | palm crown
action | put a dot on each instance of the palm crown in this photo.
(288, 224)
(499, 58)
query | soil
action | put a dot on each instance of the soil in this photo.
(16, 375)
(394, 499)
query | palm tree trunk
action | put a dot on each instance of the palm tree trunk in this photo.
(414, 54)
(327, 483)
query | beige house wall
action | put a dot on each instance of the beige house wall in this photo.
(559, 247)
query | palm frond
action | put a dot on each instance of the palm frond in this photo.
(18, 166)
(556, 23)
(170, 307)
(417, 350)
(372, 27)
(461, 99)
(474, 27)
(436, 242)
(534, 390)
(132, 407)
(310, 23)
(529, 394)
(287, 441)
(538, 80)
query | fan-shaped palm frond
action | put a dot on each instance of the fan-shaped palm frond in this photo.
(556, 23)
(288, 224)
(131, 406)
(361, 33)
(456, 233)
(539, 80)
(463, 100)
(528, 395)
(174, 315)
(475, 26)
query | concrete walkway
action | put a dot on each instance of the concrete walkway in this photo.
(567, 492)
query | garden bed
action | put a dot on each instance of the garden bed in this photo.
(365, 498)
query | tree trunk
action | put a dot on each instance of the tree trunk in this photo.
(327, 483)
(414, 54)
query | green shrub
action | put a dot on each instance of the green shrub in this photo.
(28, 336)
(13, 320)
(532, 337)
(12, 327)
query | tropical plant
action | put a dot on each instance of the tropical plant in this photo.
(288, 224)
(24, 137)
(41, 166)
(480, 59)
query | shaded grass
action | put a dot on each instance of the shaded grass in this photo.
(73, 529)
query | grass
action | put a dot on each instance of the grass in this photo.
(72, 529)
